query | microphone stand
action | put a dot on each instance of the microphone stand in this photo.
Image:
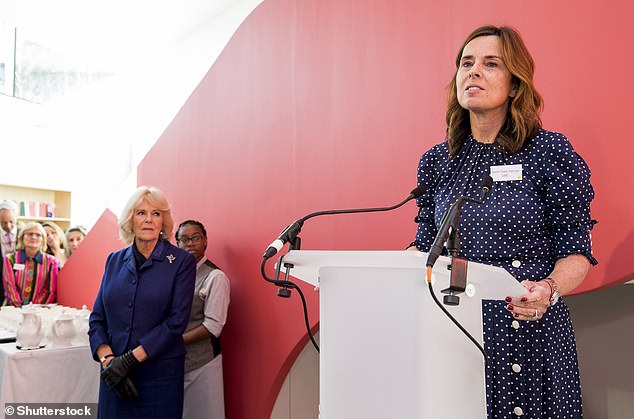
(290, 235)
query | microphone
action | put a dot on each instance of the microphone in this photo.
(486, 185)
(289, 234)
(451, 219)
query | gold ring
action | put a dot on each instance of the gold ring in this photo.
(535, 315)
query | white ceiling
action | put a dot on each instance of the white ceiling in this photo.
(113, 33)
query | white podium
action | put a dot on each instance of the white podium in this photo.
(386, 349)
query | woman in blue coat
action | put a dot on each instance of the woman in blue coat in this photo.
(140, 314)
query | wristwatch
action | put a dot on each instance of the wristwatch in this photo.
(554, 296)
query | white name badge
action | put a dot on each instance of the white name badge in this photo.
(18, 266)
(505, 173)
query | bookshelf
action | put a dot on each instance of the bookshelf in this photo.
(35, 204)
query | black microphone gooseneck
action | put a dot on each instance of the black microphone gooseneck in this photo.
(290, 235)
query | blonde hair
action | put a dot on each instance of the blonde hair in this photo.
(63, 244)
(155, 198)
(30, 226)
(522, 119)
(78, 228)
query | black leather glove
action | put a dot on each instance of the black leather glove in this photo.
(126, 390)
(118, 369)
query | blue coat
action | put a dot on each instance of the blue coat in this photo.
(149, 307)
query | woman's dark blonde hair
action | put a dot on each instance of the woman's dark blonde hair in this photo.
(63, 244)
(522, 120)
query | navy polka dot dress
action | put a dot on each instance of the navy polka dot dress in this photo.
(524, 226)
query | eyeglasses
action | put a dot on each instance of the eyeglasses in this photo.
(32, 234)
(184, 241)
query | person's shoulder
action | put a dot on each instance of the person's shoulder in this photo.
(218, 276)
(438, 152)
(554, 148)
(545, 139)
(51, 259)
(118, 257)
(441, 148)
(120, 253)
(209, 264)
(219, 273)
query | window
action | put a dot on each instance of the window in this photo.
(35, 72)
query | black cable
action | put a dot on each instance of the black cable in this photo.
(292, 285)
(475, 342)
(310, 333)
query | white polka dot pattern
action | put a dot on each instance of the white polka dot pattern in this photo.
(524, 227)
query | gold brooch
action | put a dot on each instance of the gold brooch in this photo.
(171, 257)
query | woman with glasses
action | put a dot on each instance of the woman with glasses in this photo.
(204, 395)
(140, 314)
(30, 274)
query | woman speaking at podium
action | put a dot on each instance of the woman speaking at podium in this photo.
(535, 222)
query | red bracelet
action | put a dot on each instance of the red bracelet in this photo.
(552, 289)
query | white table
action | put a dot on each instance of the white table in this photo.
(48, 375)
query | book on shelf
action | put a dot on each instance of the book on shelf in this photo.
(36, 209)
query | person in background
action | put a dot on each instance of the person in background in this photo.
(30, 274)
(56, 242)
(204, 394)
(535, 222)
(10, 228)
(8, 234)
(74, 236)
(140, 314)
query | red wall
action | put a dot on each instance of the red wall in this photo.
(329, 104)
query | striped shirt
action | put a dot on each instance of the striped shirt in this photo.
(30, 280)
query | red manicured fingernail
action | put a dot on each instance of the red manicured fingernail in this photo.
(516, 315)
(524, 299)
(510, 307)
(508, 299)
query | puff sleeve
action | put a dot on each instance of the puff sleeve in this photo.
(567, 194)
(427, 177)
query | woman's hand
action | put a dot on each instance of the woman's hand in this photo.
(118, 368)
(105, 355)
(533, 305)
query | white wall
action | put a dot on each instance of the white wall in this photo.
(90, 143)
(299, 395)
